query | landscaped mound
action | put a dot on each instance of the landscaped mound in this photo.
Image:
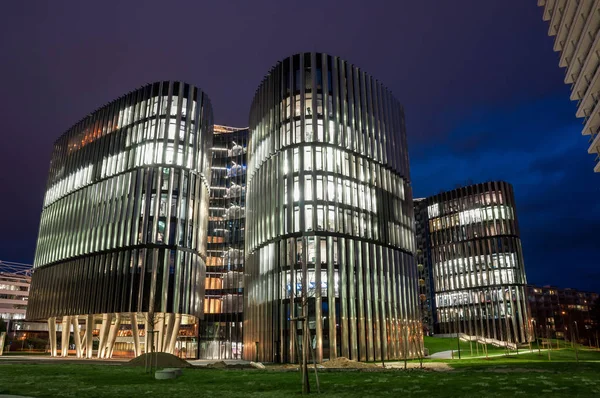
(345, 363)
(160, 360)
(217, 365)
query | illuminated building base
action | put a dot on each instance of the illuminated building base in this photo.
(122, 334)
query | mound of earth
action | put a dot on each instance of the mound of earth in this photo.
(217, 365)
(345, 363)
(160, 360)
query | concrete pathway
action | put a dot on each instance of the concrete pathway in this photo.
(441, 355)
(206, 362)
(448, 354)
(13, 396)
(20, 359)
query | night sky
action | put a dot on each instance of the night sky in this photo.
(483, 94)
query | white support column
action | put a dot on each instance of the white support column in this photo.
(169, 319)
(2, 338)
(136, 334)
(104, 328)
(52, 335)
(147, 340)
(89, 338)
(65, 333)
(76, 335)
(174, 334)
(160, 327)
(112, 337)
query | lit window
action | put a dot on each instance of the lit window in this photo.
(308, 188)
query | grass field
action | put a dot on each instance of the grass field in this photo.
(526, 374)
(439, 344)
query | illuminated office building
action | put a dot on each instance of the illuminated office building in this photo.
(477, 263)
(575, 24)
(122, 237)
(329, 213)
(221, 330)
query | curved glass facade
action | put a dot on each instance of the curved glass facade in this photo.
(329, 207)
(123, 227)
(478, 272)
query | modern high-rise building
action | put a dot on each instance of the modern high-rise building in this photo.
(329, 220)
(423, 258)
(221, 330)
(476, 263)
(576, 27)
(122, 239)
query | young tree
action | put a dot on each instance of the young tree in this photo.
(595, 318)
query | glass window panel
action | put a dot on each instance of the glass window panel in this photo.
(311, 252)
(318, 158)
(296, 189)
(296, 219)
(330, 189)
(308, 188)
(307, 158)
(319, 187)
(308, 130)
(309, 218)
(320, 218)
(331, 219)
(296, 159)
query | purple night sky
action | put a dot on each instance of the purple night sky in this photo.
(483, 94)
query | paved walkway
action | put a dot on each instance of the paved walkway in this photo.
(205, 362)
(19, 359)
(448, 354)
(13, 396)
(441, 355)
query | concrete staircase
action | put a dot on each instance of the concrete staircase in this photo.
(482, 340)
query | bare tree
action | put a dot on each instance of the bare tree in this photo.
(306, 345)
(417, 340)
(152, 319)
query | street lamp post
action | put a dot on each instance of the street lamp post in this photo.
(457, 335)
(576, 341)
(535, 336)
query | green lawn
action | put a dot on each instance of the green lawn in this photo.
(439, 344)
(528, 374)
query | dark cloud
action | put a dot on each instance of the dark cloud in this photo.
(483, 94)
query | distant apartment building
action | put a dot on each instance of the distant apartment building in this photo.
(15, 279)
(14, 290)
(562, 313)
(575, 24)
